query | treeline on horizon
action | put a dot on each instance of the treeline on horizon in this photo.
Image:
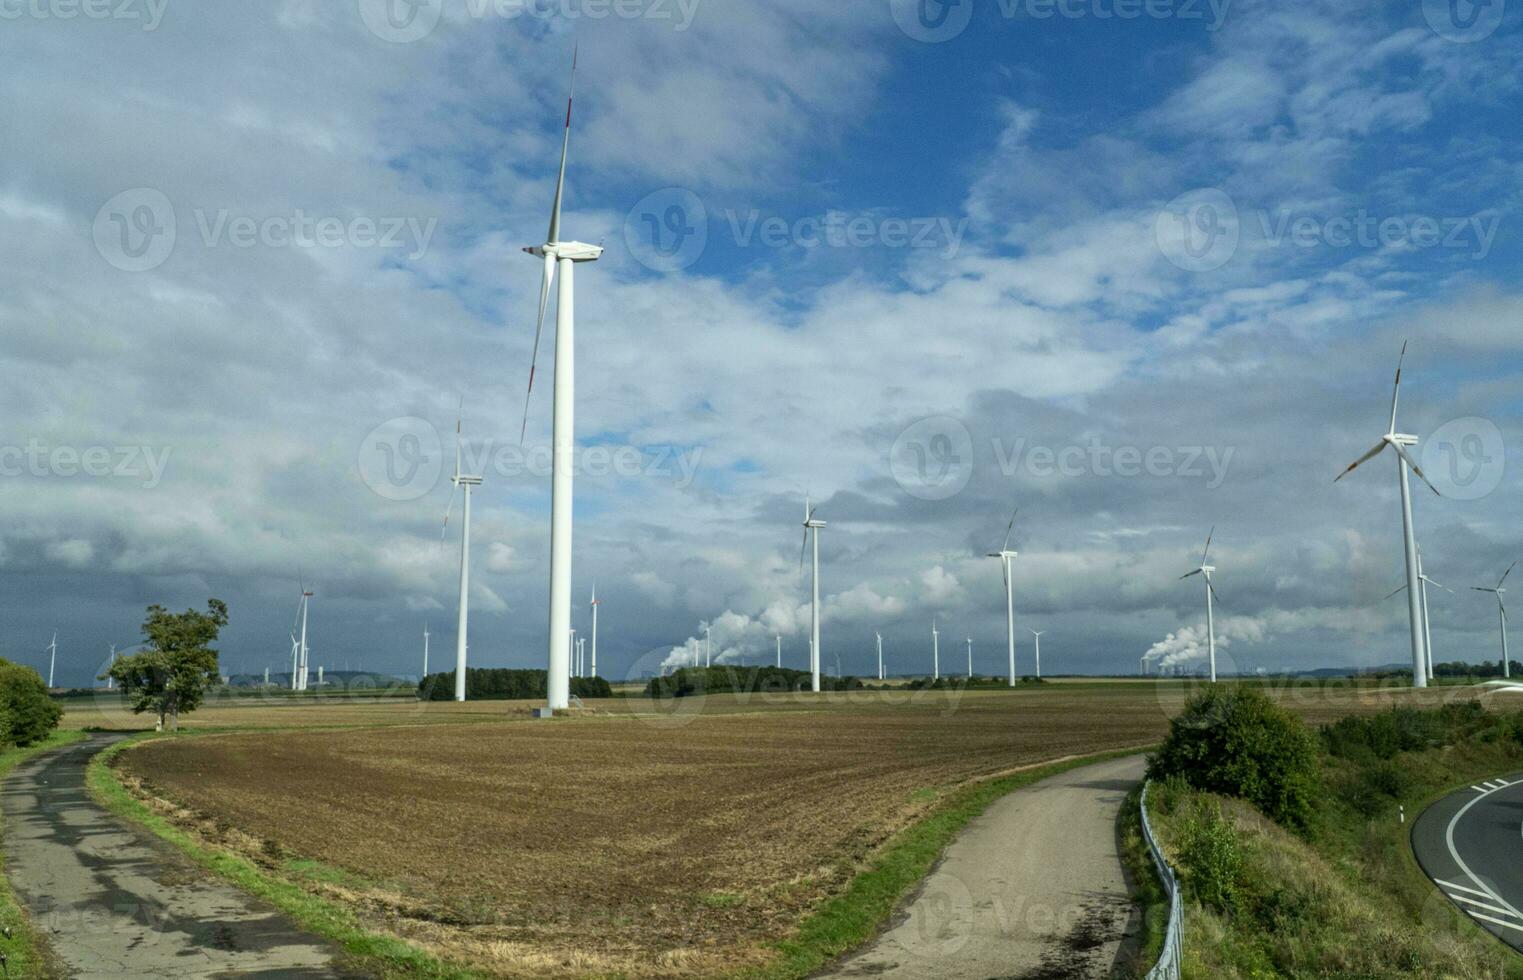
(505, 684)
(732, 679)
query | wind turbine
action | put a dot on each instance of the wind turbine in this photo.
(594, 605)
(880, 655)
(299, 646)
(1206, 570)
(1404, 461)
(1423, 578)
(1005, 555)
(811, 524)
(425, 649)
(565, 255)
(466, 483)
(52, 658)
(111, 681)
(935, 651)
(708, 648)
(1501, 610)
(779, 650)
(1037, 638)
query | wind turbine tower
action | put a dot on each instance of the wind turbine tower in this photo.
(594, 605)
(935, 651)
(52, 658)
(811, 524)
(562, 256)
(1036, 636)
(1006, 556)
(880, 656)
(467, 484)
(1400, 442)
(1206, 570)
(1501, 612)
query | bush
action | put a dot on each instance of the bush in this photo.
(1237, 742)
(27, 714)
(1211, 857)
(501, 684)
(1382, 736)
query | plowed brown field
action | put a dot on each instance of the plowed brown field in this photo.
(644, 845)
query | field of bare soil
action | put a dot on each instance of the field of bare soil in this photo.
(634, 842)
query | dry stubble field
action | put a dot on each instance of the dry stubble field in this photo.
(629, 842)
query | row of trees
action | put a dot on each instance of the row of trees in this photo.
(503, 684)
(688, 681)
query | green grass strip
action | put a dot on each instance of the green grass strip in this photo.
(852, 918)
(25, 950)
(382, 954)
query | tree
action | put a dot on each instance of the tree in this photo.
(173, 673)
(27, 713)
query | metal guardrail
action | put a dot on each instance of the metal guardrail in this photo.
(1167, 967)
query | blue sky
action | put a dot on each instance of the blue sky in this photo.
(1073, 237)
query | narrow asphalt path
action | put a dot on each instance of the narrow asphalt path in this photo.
(118, 903)
(1471, 844)
(1033, 888)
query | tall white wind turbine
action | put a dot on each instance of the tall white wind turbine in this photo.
(1005, 556)
(302, 667)
(880, 655)
(970, 658)
(465, 483)
(779, 650)
(935, 651)
(1036, 636)
(1206, 571)
(1400, 442)
(425, 649)
(52, 657)
(561, 256)
(594, 604)
(1501, 611)
(811, 524)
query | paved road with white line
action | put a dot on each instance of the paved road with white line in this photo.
(1033, 888)
(1471, 844)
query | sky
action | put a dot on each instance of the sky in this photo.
(1141, 267)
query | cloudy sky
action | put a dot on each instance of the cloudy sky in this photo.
(1142, 269)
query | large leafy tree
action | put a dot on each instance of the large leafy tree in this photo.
(179, 664)
(27, 713)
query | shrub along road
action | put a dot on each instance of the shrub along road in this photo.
(1471, 844)
(116, 903)
(1035, 887)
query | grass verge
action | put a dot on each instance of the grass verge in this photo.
(1147, 890)
(851, 918)
(369, 951)
(25, 950)
(1343, 896)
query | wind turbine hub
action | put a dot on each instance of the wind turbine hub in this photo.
(575, 251)
(1402, 439)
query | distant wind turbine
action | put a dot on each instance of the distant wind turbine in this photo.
(1427, 623)
(935, 651)
(1404, 461)
(594, 605)
(52, 657)
(563, 255)
(708, 647)
(880, 655)
(1005, 556)
(1037, 638)
(811, 524)
(1501, 610)
(425, 649)
(1206, 571)
(779, 650)
(466, 483)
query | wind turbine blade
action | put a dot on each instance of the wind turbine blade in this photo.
(1393, 592)
(560, 182)
(1188, 574)
(1213, 591)
(802, 549)
(447, 511)
(1367, 456)
(1432, 582)
(459, 414)
(1506, 573)
(539, 329)
(1209, 535)
(1006, 545)
(1412, 463)
(1396, 388)
(1481, 588)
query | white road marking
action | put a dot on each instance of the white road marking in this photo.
(1449, 840)
(1481, 905)
(1478, 789)
(1496, 922)
(1450, 884)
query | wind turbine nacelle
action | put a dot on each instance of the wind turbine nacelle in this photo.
(575, 251)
